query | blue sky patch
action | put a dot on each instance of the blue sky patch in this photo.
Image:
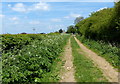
(18, 17)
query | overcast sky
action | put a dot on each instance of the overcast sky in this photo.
(18, 17)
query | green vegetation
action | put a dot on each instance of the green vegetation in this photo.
(0, 60)
(0, 70)
(78, 19)
(32, 59)
(110, 52)
(17, 41)
(60, 31)
(71, 29)
(85, 69)
(102, 25)
(101, 33)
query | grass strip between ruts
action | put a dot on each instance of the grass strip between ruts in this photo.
(85, 70)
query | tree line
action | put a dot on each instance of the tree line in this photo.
(100, 25)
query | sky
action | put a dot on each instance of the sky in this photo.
(17, 17)
(59, 0)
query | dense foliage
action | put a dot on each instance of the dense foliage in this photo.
(78, 19)
(109, 51)
(34, 61)
(102, 30)
(17, 41)
(71, 29)
(60, 31)
(102, 25)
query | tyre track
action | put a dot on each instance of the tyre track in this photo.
(68, 69)
(108, 71)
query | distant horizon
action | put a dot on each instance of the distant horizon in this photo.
(19, 17)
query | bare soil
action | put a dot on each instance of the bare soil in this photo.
(108, 71)
(67, 73)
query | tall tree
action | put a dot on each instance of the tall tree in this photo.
(71, 29)
(78, 19)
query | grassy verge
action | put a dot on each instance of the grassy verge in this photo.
(110, 52)
(84, 67)
(0, 70)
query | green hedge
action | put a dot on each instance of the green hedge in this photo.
(102, 25)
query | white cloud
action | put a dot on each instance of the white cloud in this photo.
(9, 5)
(72, 15)
(102, 8)
(56, 20)
(116, 0)
(34, 22)
(20, 7)
(14, 18)
(1, 15)
(41, 6)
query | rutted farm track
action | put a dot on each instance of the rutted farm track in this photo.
(106, 68)
(69, 71)
(40, 58)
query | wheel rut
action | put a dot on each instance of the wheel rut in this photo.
(67, 74)
(108, 71)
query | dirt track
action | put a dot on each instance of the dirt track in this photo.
(108, 71)
(68, 69)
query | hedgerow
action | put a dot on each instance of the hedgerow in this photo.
(102, 25)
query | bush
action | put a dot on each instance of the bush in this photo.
(102, 25)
